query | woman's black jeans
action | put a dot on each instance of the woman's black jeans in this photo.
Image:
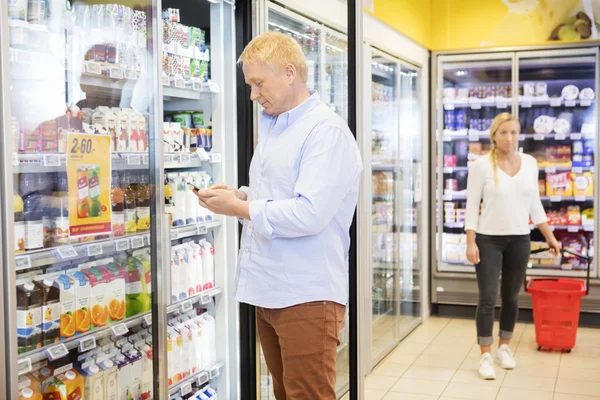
(509, 256)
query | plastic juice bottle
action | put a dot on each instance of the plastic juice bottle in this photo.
(60, 212)
(133, 290)
(143, 204)
(83, 190)
(135, 373)
(169, 203)
(99, 295)
(111, 377)
(117, 290)
(67, 306)
(32, 213)
(83, 298)
(130, 201)
(50, 311)
(29, 317)
(19, 222)
(30, 393)
(118, 206)
(74, 383)
(94, 190)
(123, 368)
(93, 381)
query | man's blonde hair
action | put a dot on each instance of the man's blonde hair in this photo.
(275, 48)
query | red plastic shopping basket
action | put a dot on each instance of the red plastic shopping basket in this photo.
(556, 307)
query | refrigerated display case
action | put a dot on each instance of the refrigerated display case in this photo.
(552, 93)
(110, 269)
(394, 114)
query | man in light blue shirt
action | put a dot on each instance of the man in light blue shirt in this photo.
(304, 183)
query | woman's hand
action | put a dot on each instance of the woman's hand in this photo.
(473, 253)
(554, 245)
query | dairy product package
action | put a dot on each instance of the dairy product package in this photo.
(563, 123)
(529, 89)
(570, 92)
(208, 264)
(209, 329)
(543, 124)
(587, 94)
(197, 251)
(541, 89)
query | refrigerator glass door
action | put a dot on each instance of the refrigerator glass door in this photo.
(335, 91)
(307, 34)
(81, 130)
(473, 92)
(558, 116)
(386, 207)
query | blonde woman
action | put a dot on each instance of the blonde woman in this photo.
(498, 242)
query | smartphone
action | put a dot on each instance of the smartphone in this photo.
(193, 184)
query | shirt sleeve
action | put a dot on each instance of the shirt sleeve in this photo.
(243, 189)
(536, 211)
(475, 182)
(329, 169)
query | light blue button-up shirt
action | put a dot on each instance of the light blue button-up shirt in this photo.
(304, 181)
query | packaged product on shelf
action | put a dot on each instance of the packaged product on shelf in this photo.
(54, 388)
(147, 375)
(83, 298)
(104, 122)
(563, 123)
(179, 193)
(169, 203)
(117, 206)
(176, 274)
(184, 119)
(167, 140)
(176, 136)
(143, 204)
(544, 124)
(208, 324)
(587, 94)
(142, 137)
(541, 89)
(19, 229)
(542, 187)
(135, 373)
(529, 89)
(121, 138)
(110, 376)
(29, 316)
(67, 306)
(30, 393)
(449, 160)
(570, 92)
(559, 184)
(117, 288)
(186, 346)
(123, 368)
(32, 212)
(575, 242)
(74, 384)
(587, 217)
(99, 283)
(208, 264)
(583, 184)
(574, 215)
(191, 198)
(197, 266)
(50, 309)
(174, 349)
(191, 255)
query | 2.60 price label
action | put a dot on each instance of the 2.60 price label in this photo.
(82, 146)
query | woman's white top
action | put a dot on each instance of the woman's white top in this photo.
(506, 207)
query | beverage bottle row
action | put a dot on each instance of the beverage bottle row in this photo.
(181, 204)
(70, 300)
(192, 269)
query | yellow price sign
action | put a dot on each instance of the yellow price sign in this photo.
(89, 176)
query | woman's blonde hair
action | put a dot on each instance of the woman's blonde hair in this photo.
(275, 48)
(499, 120)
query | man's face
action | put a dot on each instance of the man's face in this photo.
(270, 85)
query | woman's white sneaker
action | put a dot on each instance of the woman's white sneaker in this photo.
(486, 367)
(505, 357)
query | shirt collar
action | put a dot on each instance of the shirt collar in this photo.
(291, 116)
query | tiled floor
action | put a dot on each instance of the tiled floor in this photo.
(439, 360)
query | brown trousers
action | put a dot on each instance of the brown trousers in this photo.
(300, 347)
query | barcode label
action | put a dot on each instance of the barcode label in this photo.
(556, 199)
(550, 170)
(201, 230)
(202, 378)
(24, 366)
(62, 369)
(168, 158)
(555, 102)
(526, 104)
(179, 83)
(133, 159)
(51, 160)
(575, 136)
(130, 74)
(87, 344)
(580, 198)
(475, 106)
(122, 245)
(120, 330)
(573, 229)
(501, 105)
(560, 136)
(177, 158)
(56, 352)
(197, 85)
(473, 138)
(186, 388)
(570, 103)
(165, 80)
(137, 242)
(214, 88)
(185, 306)
(94, 249)
(538, 137)
(448, 170)
(65, 252)
(15, 159)
(22, 262)
(116, 73)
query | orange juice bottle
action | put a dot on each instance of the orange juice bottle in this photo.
(83, 206)
(83, 298)
(74, 384)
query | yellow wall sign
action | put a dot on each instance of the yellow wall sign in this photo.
(89, 174)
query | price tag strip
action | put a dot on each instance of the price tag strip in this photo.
(202, 378)
(51, 160)
(185, 159)
(87, 344)
(119, 329)
(62, 369)
(206, 298)
(186, 388)
(137, 242)
(122, 245)
(145, 159)
(66, 252)
(56, 352)
(214, 372)
(185, 306)
(133, 159)
(201, 229)
(94, 249)
(555, 102)
(24, 366)
(148, 319)
(22, 262)
(570, 103)
(146, 240)
(174, 235)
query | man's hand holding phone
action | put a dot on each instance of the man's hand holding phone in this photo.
(224, 200)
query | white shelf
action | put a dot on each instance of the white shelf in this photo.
(558, 199)
(202, 298)
(200, 378)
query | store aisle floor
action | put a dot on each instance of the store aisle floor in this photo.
(439, 360)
